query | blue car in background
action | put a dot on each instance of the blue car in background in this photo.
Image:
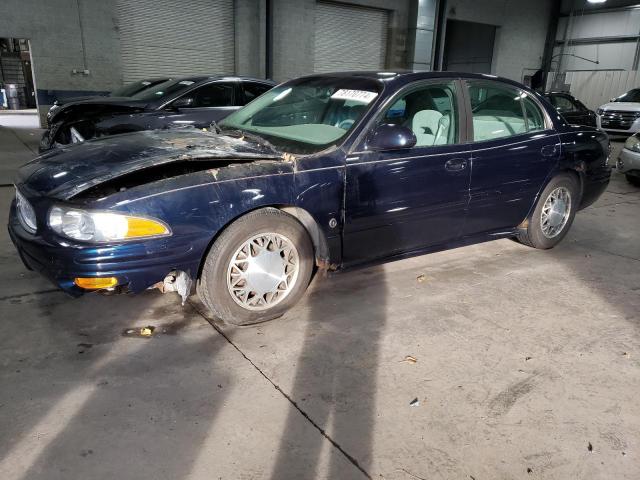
(327, 171)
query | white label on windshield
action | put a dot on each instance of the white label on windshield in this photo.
(357, 95)
(186, 82)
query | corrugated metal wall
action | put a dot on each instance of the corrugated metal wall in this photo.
(595, 88)
(168, 37)
(350, 38)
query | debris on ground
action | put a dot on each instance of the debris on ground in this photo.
(147, 331)
(139, 332)
(529, 470)
(590, 447)
(421, 278)
(526, 359)
(414, 403)
(409, 359)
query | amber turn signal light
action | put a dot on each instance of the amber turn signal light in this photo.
(95, 283)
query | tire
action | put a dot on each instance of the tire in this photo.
(632, 179)
(547, 236)
(248, 233)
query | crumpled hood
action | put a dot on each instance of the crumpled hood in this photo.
(65, 101)
(622, 106)
(67, 171)
(92, 106)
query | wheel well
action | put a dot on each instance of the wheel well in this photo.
(320, 245)
(578, 173)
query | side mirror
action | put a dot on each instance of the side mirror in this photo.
(391, 137)
(183, 102)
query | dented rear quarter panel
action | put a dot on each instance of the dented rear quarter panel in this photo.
(585, 151)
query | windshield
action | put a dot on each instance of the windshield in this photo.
(164, 89)
(306, 115)
(630, 96)
(133, 88)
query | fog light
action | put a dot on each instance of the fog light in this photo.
(95, 283)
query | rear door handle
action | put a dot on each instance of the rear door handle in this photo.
(455, 165)
(548, 151)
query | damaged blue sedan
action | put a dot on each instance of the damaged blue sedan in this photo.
(327, 171)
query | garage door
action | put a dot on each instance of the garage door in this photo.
(168, 37)
(350, 38)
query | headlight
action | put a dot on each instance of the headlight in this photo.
(53, 110)
(26, 214)
(633, 143)
(599, 111)
(100, 227)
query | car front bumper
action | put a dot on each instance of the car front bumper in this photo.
(136, 265)
(628, 162)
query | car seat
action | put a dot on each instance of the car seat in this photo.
(426, 126)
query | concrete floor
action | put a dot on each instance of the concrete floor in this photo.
(528, 366)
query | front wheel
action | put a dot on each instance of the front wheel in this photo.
(554, 213)
(257, 269)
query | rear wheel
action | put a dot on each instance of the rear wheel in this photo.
(633, 179)
(257, 269)
(554, 213)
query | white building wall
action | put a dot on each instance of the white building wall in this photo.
(596, 88)
(597, 27)
(520, 36)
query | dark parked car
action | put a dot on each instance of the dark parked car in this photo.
(193, 101)
(332, 170)
(572, 109)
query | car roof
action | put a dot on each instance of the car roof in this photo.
(202, 78)
(406, 76)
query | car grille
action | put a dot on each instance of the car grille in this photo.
(618, 120)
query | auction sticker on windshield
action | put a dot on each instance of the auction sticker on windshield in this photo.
(357, 95)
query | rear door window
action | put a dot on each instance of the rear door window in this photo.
(535, 117)
(500, 111)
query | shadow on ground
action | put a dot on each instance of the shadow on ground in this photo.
(336, 377)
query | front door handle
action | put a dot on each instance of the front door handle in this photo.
(455, 165)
